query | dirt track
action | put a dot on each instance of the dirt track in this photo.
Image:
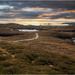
(37, 36)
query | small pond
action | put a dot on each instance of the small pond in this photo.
(1, 36)
(28, 30)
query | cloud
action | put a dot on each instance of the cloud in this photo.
(44, 4)
(59, 14)
(36, 9)
(15, 10)
(27, 12)
(13, 14)
(70, 5)
(45, 10)
(5, 6)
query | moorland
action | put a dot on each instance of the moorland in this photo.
(53, 52)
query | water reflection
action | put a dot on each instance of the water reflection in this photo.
(28, 30)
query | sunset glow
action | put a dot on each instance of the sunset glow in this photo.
(37, 12)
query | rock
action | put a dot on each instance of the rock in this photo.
(51, 65)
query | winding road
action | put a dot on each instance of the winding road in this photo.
(37, 36)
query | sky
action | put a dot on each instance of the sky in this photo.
(37, 12)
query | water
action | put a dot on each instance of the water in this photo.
(28, 30)
(73, 40)
(1, 36)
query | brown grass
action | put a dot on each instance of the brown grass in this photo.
(37, 56)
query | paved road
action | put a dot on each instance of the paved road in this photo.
(37, 36)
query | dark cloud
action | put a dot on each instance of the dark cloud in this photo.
(18, 5)
(5, 16)
(26, 15)
(64, 15)
(60, 4)
(21, 4)
(46, 4)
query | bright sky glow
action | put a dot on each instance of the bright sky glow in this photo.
(37, 12)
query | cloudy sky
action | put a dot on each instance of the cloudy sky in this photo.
(37, 12)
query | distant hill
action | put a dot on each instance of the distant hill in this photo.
(18, 26)
(12, 25)
(65, 29)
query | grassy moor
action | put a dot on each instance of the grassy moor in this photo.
(53, 52)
